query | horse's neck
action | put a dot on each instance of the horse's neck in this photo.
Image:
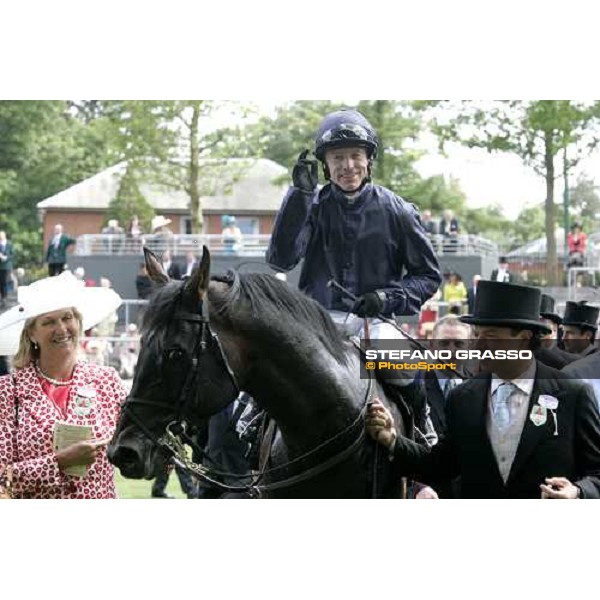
(312, 397)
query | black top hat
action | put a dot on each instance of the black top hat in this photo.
(547, 310)
(506, 305)
(581, 315)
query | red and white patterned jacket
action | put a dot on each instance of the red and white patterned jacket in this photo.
(29, 448)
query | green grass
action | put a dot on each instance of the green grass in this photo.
(141, 488)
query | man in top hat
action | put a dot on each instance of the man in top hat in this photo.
(519, 429)
(549, 353)
(501, 273)
(579, 328)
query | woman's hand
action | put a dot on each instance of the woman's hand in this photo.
(80, 453)
(380, 424)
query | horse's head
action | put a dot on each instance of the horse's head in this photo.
(182, 374)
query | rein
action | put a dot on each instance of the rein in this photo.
(172, 442)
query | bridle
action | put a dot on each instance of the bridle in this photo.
(175, 437)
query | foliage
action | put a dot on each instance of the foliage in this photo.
(436, 194)
(584, 201)
(43, 150)
(529, 225)
(130, 201)
(536, 131)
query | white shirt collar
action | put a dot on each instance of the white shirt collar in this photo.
(524, 383)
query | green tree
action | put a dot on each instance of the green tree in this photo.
(536, 131)
(293, 128)
(130, 201)
(584, 201)
(436, 194)
(169, 143)
(528, 226)
(44, 148)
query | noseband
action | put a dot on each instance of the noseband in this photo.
(204, 339)
(349, 439)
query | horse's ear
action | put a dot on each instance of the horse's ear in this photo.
(154, 268)
(201, 276)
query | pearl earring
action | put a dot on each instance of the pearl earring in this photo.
(35, 346)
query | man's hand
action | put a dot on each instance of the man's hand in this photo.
(368, 305)
(305, 175)
(427, 493)
(559, 488)
(380, 424)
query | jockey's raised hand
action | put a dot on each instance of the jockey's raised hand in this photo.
(305, 175)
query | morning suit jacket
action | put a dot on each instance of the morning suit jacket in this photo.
(471, 299)
(444, 487)
(174, 271)
(508, 277)
(466, 450)
(6, 265)
(555, 357)
(58, 256)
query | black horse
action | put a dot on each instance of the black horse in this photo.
(206, 339)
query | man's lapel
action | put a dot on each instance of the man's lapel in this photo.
(474, 418)
(532, 434)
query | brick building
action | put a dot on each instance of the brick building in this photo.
(251, 190)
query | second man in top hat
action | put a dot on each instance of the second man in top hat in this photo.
(520, 429)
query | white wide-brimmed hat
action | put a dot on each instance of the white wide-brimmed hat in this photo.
(50, 294)
(159, 221)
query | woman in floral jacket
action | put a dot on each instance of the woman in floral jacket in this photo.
(51, 389)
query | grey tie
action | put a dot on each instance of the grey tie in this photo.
(501, 406)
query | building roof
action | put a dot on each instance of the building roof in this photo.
(230, 185)
(539, 246)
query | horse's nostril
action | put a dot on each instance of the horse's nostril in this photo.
(128, 460)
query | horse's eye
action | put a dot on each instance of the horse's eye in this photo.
(175, 354)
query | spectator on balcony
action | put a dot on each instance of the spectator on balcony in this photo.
(455, 293)
(191, 262)
(134, 229)
(232, 234)
(114, 237)
(162, 235)
(577, 242)
(134, 236)
(449, 228)
(171, 268)
(56, 253)
(429, 225)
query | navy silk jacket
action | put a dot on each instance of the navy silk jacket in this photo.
(374, 242)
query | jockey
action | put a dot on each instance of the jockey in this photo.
(360, 234)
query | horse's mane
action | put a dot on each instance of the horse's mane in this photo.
(257, 303)
(271, 308)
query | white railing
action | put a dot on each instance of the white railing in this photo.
(463, 245)
(177, 244)
(250, 245)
